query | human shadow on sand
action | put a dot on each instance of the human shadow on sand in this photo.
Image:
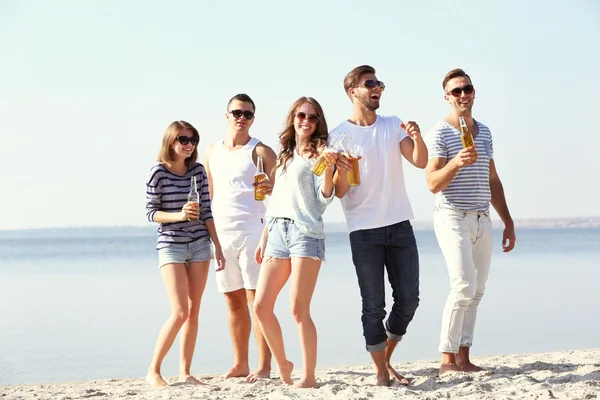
(350, 373)
(536, 366)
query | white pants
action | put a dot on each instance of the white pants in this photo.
(465, 238)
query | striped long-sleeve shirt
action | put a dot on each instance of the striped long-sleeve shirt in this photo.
(470, 188)
(168, 192)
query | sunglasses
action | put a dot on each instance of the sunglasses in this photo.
(456, 92)
(185, 140)
(370, 84)
(238, 114)
(312, 118)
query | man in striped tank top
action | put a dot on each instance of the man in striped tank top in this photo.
(466, 182)
(239, 220)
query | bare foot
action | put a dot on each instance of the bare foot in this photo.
(469, 367)
(306, 384)
(258, 374)
(189, 379)
(237, 372)
(447, 368)
(285, 373)
(155, 380)
(383, 379)
(393, 373)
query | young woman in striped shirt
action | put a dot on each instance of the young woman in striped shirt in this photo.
(184, 236)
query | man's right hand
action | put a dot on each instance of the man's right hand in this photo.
(265, 187)
(466, 157)
(260, 251)
(343, 162)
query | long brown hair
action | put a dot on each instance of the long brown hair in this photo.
(166, 154)
(287, 137)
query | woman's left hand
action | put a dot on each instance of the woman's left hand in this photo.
(330, 156)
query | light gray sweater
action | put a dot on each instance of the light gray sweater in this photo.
(297, 195)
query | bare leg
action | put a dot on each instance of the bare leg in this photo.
(239, 328)
(448, 364)
(175, 279)
(464, 363)
(264, 354)
(274, 273)
(197, 274)
(389, 350)
(380, 363)
(302, 286)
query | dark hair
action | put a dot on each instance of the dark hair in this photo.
(352, 77)
(455, 73)
(287, 137)
(244, 98)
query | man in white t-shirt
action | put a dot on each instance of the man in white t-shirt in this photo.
(466, 181)
(239, 220)
(378, 213)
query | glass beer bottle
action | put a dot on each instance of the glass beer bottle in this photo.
(193, 196)
(465, 136)
(259, 176)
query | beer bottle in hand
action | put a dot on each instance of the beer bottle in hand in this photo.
(465, 136)
(259, 176)
(193, 196)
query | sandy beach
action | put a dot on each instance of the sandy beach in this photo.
(561, 375)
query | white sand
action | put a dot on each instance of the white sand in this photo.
(564, 375)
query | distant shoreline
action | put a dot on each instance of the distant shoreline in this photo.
(545, 223)
(542, 223)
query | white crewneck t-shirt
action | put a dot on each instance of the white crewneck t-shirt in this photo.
(381, 199)
(298, 195)
(233, 205)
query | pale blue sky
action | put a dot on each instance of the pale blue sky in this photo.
(89, 87)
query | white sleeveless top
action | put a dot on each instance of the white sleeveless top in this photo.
(233, 206)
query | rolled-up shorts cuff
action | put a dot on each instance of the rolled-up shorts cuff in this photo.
(374, 348)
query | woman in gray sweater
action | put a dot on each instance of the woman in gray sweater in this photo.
(292, 246)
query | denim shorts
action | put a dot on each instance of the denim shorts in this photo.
(286, 240)
(199, 250)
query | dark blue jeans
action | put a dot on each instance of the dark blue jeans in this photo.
(394, 248)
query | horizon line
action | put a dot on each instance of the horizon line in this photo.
(413, 221)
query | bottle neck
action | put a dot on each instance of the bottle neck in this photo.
(259, 165)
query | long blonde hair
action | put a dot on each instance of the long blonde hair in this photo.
(166, 155)
(287, 137)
